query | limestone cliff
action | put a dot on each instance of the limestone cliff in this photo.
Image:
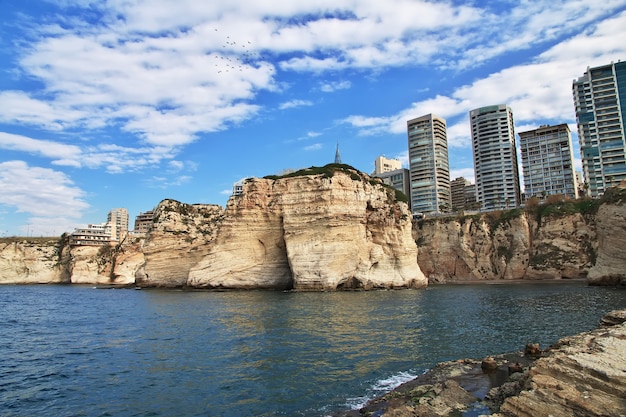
(316, 231)
(562, 239)
(32, 261)
(336, 229)
(610, 266)
(180, 237)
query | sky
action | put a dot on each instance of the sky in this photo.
(124, 103)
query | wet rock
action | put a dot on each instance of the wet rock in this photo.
(532, 349)
(515, 367)
(489, 364)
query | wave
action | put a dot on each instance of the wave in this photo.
(381, 387)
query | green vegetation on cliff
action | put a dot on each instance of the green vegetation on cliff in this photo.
(329, 170)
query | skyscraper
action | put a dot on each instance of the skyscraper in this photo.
(458, 189)
(600, 102)
(495, 157)
(548, 162)
(118, 220)
(428, 165)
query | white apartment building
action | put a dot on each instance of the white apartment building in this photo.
(92, 235)
(383, 164)
(118, 219)
(495, 157)
(600, 103)
(113, 231)
(428, 165)
(548, 162)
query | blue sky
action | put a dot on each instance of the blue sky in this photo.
(123, 103)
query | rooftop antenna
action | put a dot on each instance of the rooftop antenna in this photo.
(337, 155)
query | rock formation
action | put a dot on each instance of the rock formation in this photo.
(610, 265)
(336, 228)
(32, 261)
(568, 239)
(181, 236)
(581, 375)
(320, 231)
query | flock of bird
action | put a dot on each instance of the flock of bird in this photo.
(231, 59)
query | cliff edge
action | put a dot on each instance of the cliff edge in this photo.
(329, 229)
(574, 239)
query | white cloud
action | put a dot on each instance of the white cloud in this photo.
(49, 196)
(62, 154)
(295, 103)
(166, 74)
(313, 147)
(467, 173)
(537, 92)
(331, 86)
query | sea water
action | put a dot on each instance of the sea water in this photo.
(81, 351)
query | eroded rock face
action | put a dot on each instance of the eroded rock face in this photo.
(32, 262)
(610, 266)
(496, 247)
(90, 265)
(179, 239)
(312, 233)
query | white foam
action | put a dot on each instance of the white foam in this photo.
(379, 388)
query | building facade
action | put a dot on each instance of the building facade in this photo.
(495, 157)
(382, 165)
(458, 191)
(428, 165)
(548, 162)
(118, 219)
(398, 179)
(92, 235)
(143, 223)
(600, 103)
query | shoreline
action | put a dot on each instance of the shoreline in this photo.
(581, 374)
(513, 281)
(221, 289)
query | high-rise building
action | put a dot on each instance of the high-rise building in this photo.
(600, 102)
(495, 157)
(428, 165)
(398, 179)
(382, 165)
(458, 190)
(118, 219)
(143, 223)
(548, 162)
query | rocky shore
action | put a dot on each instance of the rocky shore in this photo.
(581, 375)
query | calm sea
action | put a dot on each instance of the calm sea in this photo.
(80, 351)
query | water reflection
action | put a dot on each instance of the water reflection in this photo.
(79, 351)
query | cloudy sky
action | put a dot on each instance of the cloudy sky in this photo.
(122, 103)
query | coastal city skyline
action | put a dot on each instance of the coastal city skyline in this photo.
(125, 104)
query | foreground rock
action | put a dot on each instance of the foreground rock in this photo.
(582, 375)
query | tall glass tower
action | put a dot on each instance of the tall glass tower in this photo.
(600, 102)
(428, 165)
(495, 157)
(548, 162)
